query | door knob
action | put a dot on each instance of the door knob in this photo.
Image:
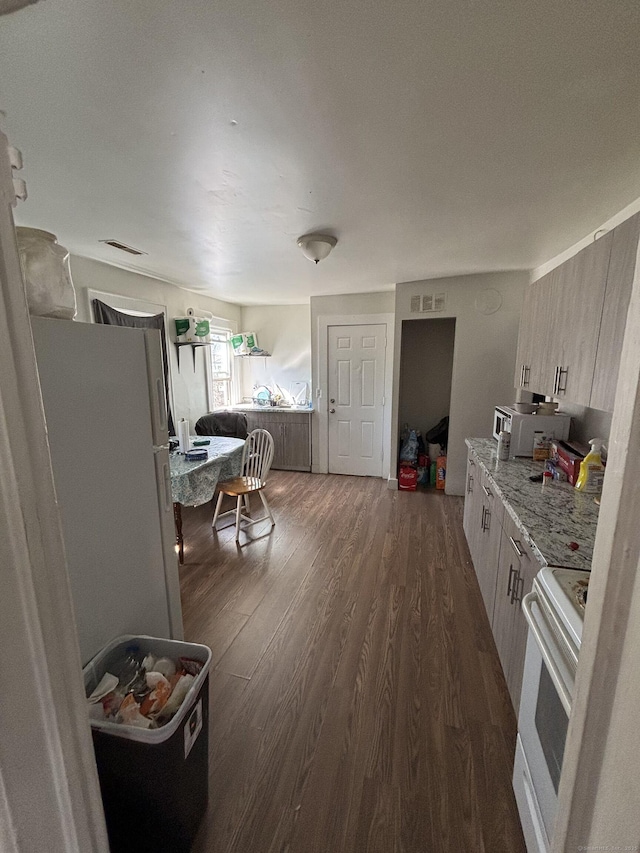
(332, 400)
(332, 411)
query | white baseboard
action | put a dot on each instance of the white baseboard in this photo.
(392, 483)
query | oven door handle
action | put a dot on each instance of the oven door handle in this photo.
(545, 651)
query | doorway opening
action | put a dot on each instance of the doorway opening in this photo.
(426, 371)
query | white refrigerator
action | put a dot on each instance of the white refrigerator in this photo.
(104, 403)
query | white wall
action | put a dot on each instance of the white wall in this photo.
(483, 359)
(285, 332)
(189, 387)
(351, 304)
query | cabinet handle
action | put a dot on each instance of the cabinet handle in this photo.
(527, 375)
(512, 572)
(469, 484)
(515, 544)
(486, 519)
(522, 374)
(562, 387)
(519, 580)
(472, 462)
(487, 492)
(555, 380)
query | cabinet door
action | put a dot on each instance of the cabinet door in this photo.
(577, 312)
(488, 550)
(297, 445)
(276, 428)
(502, 624)
(473, 507)
(527, 570)
(534, 334)
(516, 571)
(614, 315)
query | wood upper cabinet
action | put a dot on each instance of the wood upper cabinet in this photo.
(573, 322)
(614, 316)
(535, 361)
(516, 571)
(577, 313)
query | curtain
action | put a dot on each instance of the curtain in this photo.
(109, 316)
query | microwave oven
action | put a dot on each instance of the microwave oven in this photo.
(523, 427)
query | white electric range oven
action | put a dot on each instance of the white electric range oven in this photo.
(554, 610)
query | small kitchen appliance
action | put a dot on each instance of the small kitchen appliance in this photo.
(523, 427)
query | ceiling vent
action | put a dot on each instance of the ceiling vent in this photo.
(415, 304)
(122, 246)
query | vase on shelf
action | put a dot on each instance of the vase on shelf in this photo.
(46, 273)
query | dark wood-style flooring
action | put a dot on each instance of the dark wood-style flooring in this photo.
(357, 701)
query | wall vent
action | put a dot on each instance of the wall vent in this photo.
(123, 247)
(415, 304)
(433, 302)
(439, 301)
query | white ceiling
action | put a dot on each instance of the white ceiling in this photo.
(432, 137)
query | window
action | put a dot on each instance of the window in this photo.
(219, 369)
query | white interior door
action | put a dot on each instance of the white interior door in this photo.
(356, 356)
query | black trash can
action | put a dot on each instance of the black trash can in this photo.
(154, 782)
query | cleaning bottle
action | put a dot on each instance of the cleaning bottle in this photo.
(591, 473)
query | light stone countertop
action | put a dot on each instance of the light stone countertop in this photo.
(549, 518)
(285, 410)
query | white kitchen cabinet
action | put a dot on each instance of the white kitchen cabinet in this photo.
(516, 570)
(482, 524)
(472, 505)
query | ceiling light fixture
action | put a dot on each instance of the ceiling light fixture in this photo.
(316, 247)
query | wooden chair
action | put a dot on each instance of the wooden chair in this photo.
(257, 456)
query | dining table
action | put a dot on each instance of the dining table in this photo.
(194, 482)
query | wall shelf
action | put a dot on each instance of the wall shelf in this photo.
(194, 345)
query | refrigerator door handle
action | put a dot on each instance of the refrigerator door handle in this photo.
(160, 404)
(166, 478)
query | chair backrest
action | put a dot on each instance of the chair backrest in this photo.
(257, 454)
(228, 424)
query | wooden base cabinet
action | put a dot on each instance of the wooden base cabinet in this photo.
(483, 512)
(516, 571)
(491, 516)
(291, 437)
(505, 568)
(472, 506)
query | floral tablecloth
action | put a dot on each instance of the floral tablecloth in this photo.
(193, 483)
